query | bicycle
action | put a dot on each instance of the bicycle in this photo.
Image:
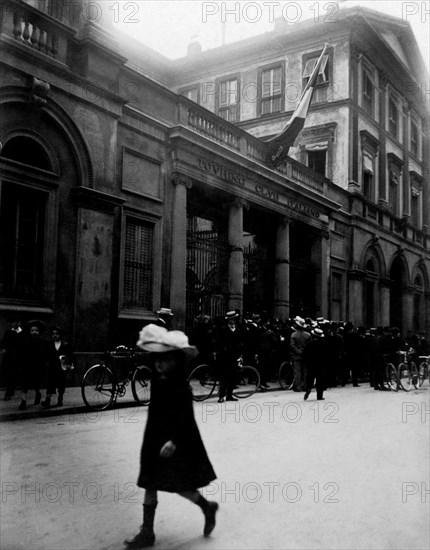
(204, 380)
(101, 386)
(423, 369)
(390, 375)
(286, 375)
(404, 375)
(407, 370)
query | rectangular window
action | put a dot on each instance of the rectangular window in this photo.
(368, 184)
(22, 222)
(393, 118)
(228, 107)
(191, 93)
(414, 138)
(271, 90)
(368, 93)
(394, 196)
(415, 206)
(317, 161)
(138, 265)
(320, 91)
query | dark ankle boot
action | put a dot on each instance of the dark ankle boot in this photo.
(209, 509)
(146, 536)
(37, 398)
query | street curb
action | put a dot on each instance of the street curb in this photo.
(75, 409)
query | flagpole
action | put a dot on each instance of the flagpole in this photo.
(316, 69)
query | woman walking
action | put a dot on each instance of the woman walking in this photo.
(173, 457)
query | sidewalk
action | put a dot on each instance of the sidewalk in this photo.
(73, 404)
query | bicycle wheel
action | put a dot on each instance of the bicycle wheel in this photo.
(202, 382)
(422, 372)
(286, 375)
(391, 377)
(405, 377)
(248, 382)
(414, 374)
(141, 384)
(98, 387)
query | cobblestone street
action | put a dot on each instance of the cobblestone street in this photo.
(348, 472)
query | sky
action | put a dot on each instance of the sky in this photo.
(169, 26)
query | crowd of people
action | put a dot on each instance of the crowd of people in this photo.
(324, 353)
(31, 362)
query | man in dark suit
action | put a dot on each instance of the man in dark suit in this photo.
(60, 360)
(230, 348)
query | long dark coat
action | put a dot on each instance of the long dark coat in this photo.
(171, 418)
(56, 375)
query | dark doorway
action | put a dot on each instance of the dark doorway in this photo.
(304, 270)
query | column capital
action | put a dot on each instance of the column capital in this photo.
(238, 203)
(285, 221)
(181, 179)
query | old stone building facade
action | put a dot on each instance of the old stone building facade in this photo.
(130, 181)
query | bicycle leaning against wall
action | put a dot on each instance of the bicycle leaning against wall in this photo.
(104, 382)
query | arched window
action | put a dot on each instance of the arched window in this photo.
(27, 151)
(370, 265)
(418, 282)
(22, 222)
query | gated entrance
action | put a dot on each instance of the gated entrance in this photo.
(256, 276)
(207, 270)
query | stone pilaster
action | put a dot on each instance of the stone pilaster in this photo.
(235, 239)
(282, 272)
(178, 279)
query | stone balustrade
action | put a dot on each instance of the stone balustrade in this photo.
(36, 29)
(204, 122)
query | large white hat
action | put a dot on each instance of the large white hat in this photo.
(300, 322)
(158, 339)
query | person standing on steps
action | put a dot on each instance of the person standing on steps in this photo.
(173, 457)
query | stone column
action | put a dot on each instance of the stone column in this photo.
(282, 271)
(235, 240)
(178, 278)
(355, 295)
(325, 270)
(408, 310)
(320, 257)
(384, 301)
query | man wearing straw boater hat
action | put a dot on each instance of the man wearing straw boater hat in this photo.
(298, 341)
(173, 457)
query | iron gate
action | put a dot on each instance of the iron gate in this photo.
(207, 270)
(256, 278)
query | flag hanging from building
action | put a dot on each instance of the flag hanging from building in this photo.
(280, 144)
